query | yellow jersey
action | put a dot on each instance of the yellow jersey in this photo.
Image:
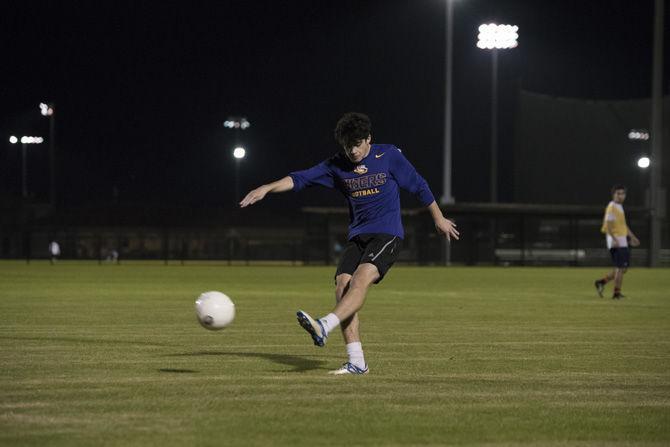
(614, 213)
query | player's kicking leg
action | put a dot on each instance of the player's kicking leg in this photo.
(377, 252)
(351, 302)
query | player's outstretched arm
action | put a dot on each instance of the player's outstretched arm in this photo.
(282, 185)
(442, 224)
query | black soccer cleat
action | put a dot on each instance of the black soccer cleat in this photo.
(618, 296)
(600, 286)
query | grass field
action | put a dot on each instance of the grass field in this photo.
(112, 355)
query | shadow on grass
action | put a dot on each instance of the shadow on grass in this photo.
(298, 364)
(88, 340)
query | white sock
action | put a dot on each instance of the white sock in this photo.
(329, 322)
(355, 351)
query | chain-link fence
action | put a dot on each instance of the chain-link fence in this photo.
(490, 235)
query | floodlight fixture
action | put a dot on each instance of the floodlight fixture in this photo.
(46, 109)
(237, 123)
(638, 135)
(497, 37)
(13, 139)
(643, 162)
(32, 140)
(239, 153)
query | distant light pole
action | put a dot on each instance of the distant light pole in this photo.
(238, 153)
(447, 196)
(496, 37)
(25, 141)
(643, 162)
(238, 124)
(47, 109)
(656, 190)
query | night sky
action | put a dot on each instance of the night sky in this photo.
(142, 88)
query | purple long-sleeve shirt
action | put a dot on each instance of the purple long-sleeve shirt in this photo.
(370, 186)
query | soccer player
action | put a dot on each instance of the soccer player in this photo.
(369, 176)
(54, 251)
(617, 234)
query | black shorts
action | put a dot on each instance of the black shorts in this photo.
(620, 257)
(378, 249)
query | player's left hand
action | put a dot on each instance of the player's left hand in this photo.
(634, 242)
(448, 228)
(254, 196)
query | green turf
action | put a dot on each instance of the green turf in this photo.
(112, 355)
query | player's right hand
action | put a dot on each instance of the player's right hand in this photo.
(254, 196)
(448, 228)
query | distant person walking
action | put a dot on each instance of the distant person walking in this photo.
(617, 236)
(54, 250)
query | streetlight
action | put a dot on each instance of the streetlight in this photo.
(47, 109)
(644, 162)
(25, 141)
(496, 37)
(239, 153)
(640, 137)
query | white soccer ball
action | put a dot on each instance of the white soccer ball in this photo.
(214, 310)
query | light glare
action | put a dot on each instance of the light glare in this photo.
(237, 123)
(31, 140)
(638, 134)
(46, 109)
(13, 139)
(239, 153)
(492, 36)
(644, 162)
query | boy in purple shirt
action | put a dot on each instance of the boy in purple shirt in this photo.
(369, 176)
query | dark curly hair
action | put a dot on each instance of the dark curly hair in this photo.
(352, 128)
(617, 187)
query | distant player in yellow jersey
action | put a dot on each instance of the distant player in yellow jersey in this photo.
(618, 236)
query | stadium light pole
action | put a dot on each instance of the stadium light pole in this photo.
(47, 109)
(657, 196)
(495, 37)
(237, 124)
(447, 196)
(25, 141)
(238, 153)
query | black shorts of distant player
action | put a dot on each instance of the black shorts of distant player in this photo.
(378, 249)
(620, 257)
